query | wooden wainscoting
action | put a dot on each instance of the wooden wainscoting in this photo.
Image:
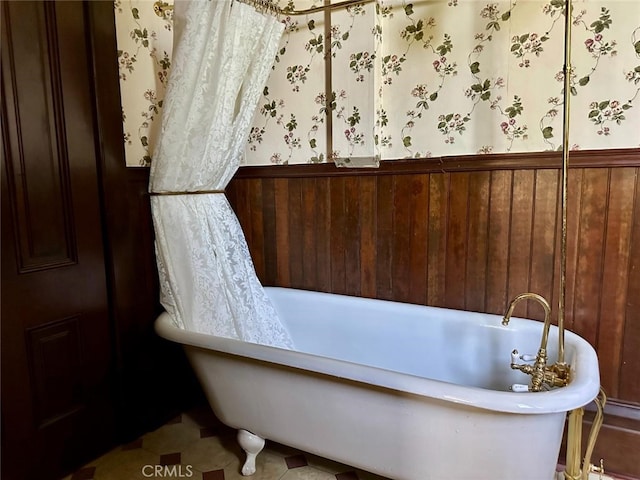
(153, 381)
(468, 233)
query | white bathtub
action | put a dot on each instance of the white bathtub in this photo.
(405, 391)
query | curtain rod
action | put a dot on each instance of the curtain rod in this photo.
(162, 8)
(332, 6)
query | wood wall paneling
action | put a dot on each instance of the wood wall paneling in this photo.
(477, 243)
(352, 259)
(401, 204)
(469, 233)
(616, 276)
(419, 239)
(520, 237)
(588, 273)
(384, 238)
(628, 384)
(437, 239)
(456, 243)
(498, 233)
(153, 379)
(470, 240)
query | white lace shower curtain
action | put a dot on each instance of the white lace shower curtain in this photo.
(223, 53)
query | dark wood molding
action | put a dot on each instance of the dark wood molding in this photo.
(629, 157)
(43, 226)
(621, 410)
(145, 364)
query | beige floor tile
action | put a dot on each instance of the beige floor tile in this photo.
(307, 473)
(212, 453)
(268, 467)
(220, 451)
(124, 464)
(333, 467)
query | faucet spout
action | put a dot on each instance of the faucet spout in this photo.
(556, 375)
(547, 313)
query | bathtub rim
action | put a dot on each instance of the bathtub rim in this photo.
(583, 388)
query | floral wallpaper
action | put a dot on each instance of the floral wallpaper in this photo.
(145, 40)
(398, 79)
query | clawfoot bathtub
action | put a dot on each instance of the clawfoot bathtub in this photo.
(405, 391)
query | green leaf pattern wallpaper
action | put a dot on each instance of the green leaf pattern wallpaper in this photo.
(398, 79)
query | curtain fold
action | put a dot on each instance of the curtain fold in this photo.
(223, 53)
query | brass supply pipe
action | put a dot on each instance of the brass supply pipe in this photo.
(587, 467)
(572, 470)
(577, 468)
(564, 174)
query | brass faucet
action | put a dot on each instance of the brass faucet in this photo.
(556, 375)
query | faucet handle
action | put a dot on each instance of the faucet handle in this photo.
(515, 356)
(599, 470)
(525, 357)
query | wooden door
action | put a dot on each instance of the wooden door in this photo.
(57, 405)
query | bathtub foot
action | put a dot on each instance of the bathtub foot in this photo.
(252, 445)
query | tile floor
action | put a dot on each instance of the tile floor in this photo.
(196, 446)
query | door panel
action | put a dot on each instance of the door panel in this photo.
(56, 348)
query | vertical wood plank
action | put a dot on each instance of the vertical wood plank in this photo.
(590, 252)
(296, 237)
(521, 237)
(437, 244)
(457, 229)
(477, 241)
(368, 227)
(283, 273)
(231, 193)
(574, 202)
(615, 276)
(498, 241)
(543, 245)
(384, 251)
(401, 241)
(269, 231)
(243, 208)
(418, 248)
(351, 235)
(629, 387)
(323, 233)
(256, 226)
(338, 244)
(309, 241)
